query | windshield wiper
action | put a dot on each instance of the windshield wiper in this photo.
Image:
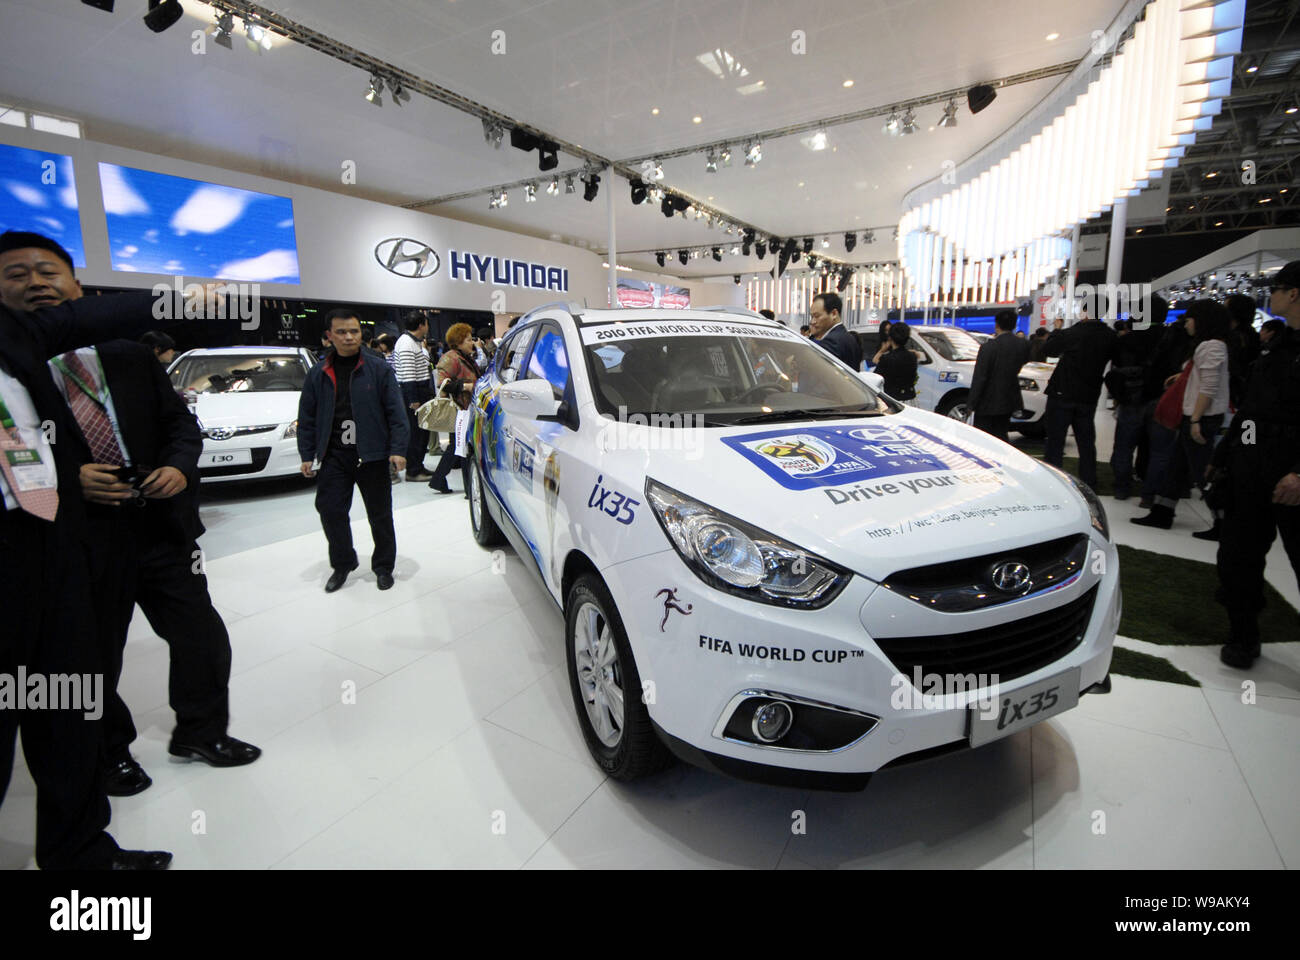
(777, 416)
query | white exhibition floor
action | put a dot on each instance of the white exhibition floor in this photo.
(461, 748)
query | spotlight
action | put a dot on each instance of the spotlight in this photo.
(753, 152)
(683, 256)
(658, 172)
(699, 213)
(666, 207)
(523, 140)
(908, 125)
(812, 263)
(105, 5)
(162, 14)
(826, 242)
(503, 200)
(695, 254)
(494, 201)
(548, 155)
(949, 115)
(735, 278)
(794, 257)
(850, 241)
(980, 96)
(591, 186)
(530, 193)
(257, 35)
(808, 244)
(638, 191)
(725, 155)
(376, 92)
(735, 250)
(748, 235)
(400, 94)
(868, 236)
(656, 194)
(711, 162)
(891, 125)
(568, 184)
(553, 188)
(493, 132)
(846, 274)
(660, 257)
(717, 254)
(224, 29)
(760, 248)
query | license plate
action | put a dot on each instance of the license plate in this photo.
(228, 458)
(1024, 707)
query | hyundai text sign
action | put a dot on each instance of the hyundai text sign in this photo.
(407, 258)
(507, 273)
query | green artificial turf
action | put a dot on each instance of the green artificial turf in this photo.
(1143, 666)
(1170, 600)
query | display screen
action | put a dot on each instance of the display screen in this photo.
(38, 194)
(640, 293)
(163, 224)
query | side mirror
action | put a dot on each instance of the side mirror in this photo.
(874, 380)
(529, 399)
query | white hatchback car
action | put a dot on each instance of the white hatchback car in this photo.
(770, 569)
(246, 401)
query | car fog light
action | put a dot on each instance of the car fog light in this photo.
(772, 721)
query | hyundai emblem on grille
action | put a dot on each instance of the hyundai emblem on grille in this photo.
(1011, 576)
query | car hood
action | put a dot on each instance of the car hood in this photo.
(876, 495)
(247, 409)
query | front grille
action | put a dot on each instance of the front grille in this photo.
(1007, 651)
(260, 457)
(958, 586)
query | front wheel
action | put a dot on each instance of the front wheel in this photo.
(607, 693)
(955, 405)
(486, 531)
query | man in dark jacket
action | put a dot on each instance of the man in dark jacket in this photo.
(995, 383)
(897, 364)
(352, 424)
(1074, 389)
(1125, 383)
(829, 333)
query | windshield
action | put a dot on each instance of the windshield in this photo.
(951, 344)
(725, 372)
(239, 373)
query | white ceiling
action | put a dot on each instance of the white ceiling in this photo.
(586, 71)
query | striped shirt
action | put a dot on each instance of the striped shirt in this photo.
(410, 362)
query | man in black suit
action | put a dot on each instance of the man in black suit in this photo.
(143, 538)
(44, 579)
(995, 384)
(1072, 394)
(829, 333)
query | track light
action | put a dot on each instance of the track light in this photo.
(553, 188)
(908, 125)
(638, 191)
(753, 153)
(808, 244)
(725, 155)
(257, 35)
(494, 201)
(812, 263)
(591, 186)
(162, 14)
(760, 248)
(530, 193)
(850, 241)
(376, 92)
(699, 213)
(949, 118)
(223, 31)
(735, 250)
(660, 257)
(493, 132)
(568, 184)
(521, 139)
(683, 256)
(711, 163)
(826, 242)
(980, 96)
(891, 125)
(658, 172)
(868, 236)
(400, 94)
(548, 155)
(503, 199)
(735, 278)
(666, 207)
(717, 254)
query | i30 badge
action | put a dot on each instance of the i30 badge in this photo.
(407, 258)
(1011, 576)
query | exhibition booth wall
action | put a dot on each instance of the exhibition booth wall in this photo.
(137, 219)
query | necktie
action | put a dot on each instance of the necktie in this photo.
(91, 416)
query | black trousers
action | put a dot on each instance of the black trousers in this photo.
(418, 445)
(339, 472)
(1251, 522)
(1062, 416)
(49, 629)
(449, 460)
(996, 424)
(1187, 465)
(136, 564)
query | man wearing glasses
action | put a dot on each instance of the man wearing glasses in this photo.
(1261, 454)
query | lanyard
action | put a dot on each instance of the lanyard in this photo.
(94, 395)
(6, 421)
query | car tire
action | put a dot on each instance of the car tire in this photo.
(955, 405)
(486, 531)
(625, 748)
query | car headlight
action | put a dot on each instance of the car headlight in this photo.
(1095, 508)
(739, 558)
(1026, 383)
(291, 431)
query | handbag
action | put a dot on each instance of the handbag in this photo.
(1169, 409)
(438, 415)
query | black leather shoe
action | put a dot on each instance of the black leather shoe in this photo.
(1211, 534)
(1241, 657)
(385, 580)
(126, 779)
(439, 488)
(141, 860)
(1160, 517)
(221, 752)
(337, 579)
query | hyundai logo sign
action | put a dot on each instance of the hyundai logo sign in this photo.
(1011, 576)
(407, 258)
(221, 433)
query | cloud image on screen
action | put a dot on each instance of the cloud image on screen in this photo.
(158, 223)
(38, 193)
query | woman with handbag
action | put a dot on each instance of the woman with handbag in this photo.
(1194, 406)
(456, 374)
